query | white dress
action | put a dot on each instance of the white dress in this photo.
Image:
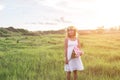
(74, 63)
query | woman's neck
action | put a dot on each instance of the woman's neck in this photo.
(72, 38)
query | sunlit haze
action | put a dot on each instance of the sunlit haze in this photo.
(37, 15)
(1, 7)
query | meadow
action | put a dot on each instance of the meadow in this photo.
(42, 57)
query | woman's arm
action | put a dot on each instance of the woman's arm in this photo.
(79, 46)
(65, 49)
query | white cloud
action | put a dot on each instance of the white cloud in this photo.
(83, 13)
(79, 12)
(69, 5)
(1, 7)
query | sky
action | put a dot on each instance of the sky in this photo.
(35, 15)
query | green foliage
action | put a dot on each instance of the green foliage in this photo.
(10, 31)
(42, 57)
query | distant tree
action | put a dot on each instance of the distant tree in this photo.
(3, 30)
(113, 29)
(12, 29)
(100, 29)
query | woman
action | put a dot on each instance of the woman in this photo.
(72, 64)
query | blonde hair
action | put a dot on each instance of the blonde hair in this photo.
(71, 28)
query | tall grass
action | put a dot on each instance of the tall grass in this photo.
(42, 57)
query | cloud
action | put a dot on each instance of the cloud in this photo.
(73, 6)
(1, 7)
(36, 12)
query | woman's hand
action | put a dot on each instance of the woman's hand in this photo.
(82, 52)
(66, 61)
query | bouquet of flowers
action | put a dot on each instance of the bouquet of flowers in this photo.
(76, 52)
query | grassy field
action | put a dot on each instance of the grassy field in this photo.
(42, 57)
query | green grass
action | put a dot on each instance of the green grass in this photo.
(42, 57)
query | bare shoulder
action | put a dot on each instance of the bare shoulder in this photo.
(66, 39)
(77, 39)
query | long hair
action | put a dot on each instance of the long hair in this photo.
(71, 28)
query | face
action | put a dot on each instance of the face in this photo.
(71, 32)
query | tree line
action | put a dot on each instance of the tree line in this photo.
(11, 31)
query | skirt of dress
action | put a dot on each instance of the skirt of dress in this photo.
(74, 64)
